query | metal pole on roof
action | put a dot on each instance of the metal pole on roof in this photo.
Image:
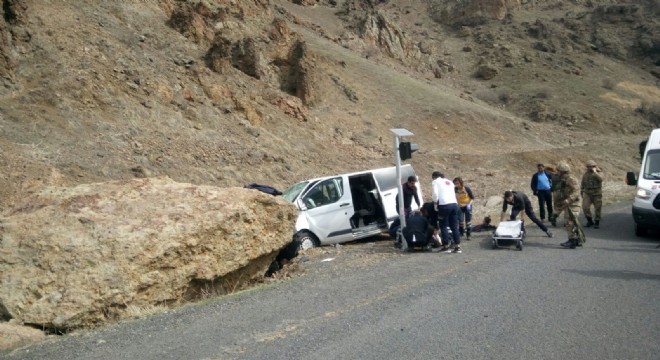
(398, 133)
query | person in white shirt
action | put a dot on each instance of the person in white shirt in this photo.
(444, 197)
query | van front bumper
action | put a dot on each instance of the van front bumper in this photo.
(646, 217)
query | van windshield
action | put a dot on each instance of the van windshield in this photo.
(652, 165)
(291, 193)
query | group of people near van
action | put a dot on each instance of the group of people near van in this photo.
(450, 210)
(557, 191)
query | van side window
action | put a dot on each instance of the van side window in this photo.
(326, 192)
(652, 166)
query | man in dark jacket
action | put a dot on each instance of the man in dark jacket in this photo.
(520, 202)
(542, 187)
(409, 193)
(418, 231)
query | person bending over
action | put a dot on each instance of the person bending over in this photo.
(520, 202)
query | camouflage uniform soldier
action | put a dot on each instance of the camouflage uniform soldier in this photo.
(569, 200)
(556, 194)
(592, 192)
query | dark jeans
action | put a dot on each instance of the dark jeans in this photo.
(545, 200)
(465, 218)
(530, 213)
(448, 216)
(406, 212)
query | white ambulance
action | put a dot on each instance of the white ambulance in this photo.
(646, 206)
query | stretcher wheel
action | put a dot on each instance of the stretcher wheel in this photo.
(520, 245)
(495, 244)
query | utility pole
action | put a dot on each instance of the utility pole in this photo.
(398, 134)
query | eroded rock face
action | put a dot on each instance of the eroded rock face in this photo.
(13, 14)
(471, 12)
(201, 20)
(378, 31)
(73, 257)
(247, 37)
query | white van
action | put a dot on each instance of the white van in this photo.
(646, 206)
(341, 208)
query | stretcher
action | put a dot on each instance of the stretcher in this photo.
(509, 232)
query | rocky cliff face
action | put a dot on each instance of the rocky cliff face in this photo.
(76, 257)
(217, 94)
(472, 12)
(12, 34)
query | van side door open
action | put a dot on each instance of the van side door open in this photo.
(367, 203)
(388, 186)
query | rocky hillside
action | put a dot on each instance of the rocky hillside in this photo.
(224, 92)
(220, 93)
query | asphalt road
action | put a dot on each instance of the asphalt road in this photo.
(598, 302)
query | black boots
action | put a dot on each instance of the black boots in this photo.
(590, 222)
(553, 220)
(465, 232)
(571, 244)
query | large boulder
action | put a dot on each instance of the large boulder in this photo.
(76, 257)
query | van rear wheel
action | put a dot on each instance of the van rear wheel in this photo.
(307, 240)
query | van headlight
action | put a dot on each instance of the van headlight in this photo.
(643, 194)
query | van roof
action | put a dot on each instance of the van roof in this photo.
(355, 173)
(654, 140)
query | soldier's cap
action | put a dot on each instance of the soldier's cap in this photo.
(563, 167)
(590, 163)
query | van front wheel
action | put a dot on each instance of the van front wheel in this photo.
(307, 240)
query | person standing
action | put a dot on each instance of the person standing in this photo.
(542, 187)
(570, 202)
(464, 197)
(556, 194)
(445, 199)
(520, 202)
(591, 189)
(409, 189)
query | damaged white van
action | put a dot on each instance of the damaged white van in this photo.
(646, 206)
(341, 208)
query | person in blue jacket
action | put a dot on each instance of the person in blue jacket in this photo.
(542, 187)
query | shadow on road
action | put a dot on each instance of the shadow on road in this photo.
(608, 234)
(645, 249)
(616, 274)
(618, 225)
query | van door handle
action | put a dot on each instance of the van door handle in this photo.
(388, 194)
(344, 204)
